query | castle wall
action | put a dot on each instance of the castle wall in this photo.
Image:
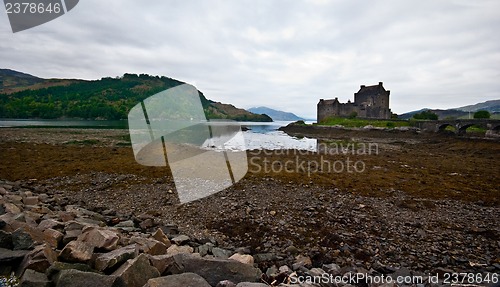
(335, 109)
(326, 110)
(369, 102)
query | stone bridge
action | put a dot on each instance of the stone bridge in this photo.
(492, 126)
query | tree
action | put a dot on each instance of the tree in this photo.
(482, 115)
(425, 115)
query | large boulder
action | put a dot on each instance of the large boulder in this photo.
(38, 259)
(77, 251)
(6, 240)
(57, 267)
(161, 262)
(76, 278)
(243, 258)
(137, 271)
(99, 238)
(184, 280)
(215, 270)
(150, 245)
(21, 240)
(116, 257)
(32, 278)
(10, 258)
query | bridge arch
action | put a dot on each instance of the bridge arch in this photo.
(463, 129)
(443, 127)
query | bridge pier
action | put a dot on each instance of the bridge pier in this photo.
(492, 126)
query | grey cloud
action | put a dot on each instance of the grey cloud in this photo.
(284, 54)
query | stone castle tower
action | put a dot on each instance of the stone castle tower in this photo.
(370, 102)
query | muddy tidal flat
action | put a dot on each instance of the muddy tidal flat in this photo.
(423, 202)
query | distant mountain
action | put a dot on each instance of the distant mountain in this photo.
(10, 79)
(26, 96)
(463, 112)
(442, 114)
(492, 106)
(275, 114)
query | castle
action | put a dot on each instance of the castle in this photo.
(369, 102)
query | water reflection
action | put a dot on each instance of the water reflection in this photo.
(266, 136)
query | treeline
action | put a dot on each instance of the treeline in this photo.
(108, 98)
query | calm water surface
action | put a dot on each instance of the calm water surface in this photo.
(258, 136)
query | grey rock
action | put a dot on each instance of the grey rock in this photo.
(57, 267)
(243, 250)
(161, 262)
(150, 245)
(30, 200)
(292, 250)
(77, 251)
(221, 253)
(73, 225)
(261, 257)
(21, 240)
(285, 270)
(243, 258)
(170, 229)
(184, 280)
(215, 270)
(402, 272)
(181, 239)
(82, 212)
(8, 256)
(176, 249)
(301, 261)
(332, 268)
(127, 225)
(38, 259)
(99, 238)
(6, 240)
(11, 208)
(71, 235)
(32, 278)
(137, 271)
(76, 278)
(160, 236)
(272, 271)
(53, 237)
(90, 221)
(203, 249)
(146, 224)
(115, 257)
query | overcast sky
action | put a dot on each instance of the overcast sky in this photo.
(281, 54)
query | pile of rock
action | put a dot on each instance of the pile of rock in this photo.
(45, 241)
(45, 244)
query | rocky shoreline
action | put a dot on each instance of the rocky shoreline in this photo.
(85, 214)
(44, 242)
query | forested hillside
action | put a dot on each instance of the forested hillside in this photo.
(107, 98)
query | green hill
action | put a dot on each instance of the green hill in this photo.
(24, 96)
